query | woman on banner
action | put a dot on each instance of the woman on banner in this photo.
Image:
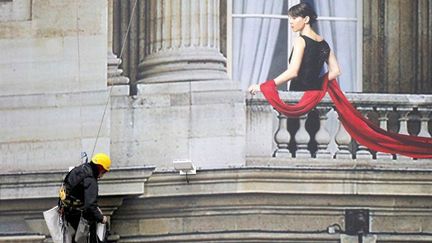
(310, 52)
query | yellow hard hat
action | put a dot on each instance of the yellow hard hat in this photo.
(103, 160)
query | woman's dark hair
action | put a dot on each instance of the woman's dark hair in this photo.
(302, 10)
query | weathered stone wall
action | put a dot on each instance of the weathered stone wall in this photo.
(201, 121)
(53, 74)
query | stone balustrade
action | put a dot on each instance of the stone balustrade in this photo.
(319, 134)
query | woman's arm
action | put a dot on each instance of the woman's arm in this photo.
(293, 67)
(333, 66)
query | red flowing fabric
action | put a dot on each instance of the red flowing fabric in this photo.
(360, 128)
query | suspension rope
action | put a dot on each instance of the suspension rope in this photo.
(78, 30)
(112, 85)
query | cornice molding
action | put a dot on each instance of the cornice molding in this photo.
(301, 177)
(45, 184)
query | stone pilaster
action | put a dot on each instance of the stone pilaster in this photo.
(181, 42)
(114, 73)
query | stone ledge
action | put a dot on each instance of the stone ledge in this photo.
(408, 238)
(22, 238)
(280, 205)
(406, 165)
(349, 178)
(256, 236)
(33, 185)
(375, 99)
(245, 236)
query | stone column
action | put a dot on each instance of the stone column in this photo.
(181, 42)
(186, 107)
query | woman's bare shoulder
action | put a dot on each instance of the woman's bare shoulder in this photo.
(299, 42)
(319, 38)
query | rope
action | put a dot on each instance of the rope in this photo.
(78, 30)
(111, 88)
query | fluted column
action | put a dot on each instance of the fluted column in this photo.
(181, 42)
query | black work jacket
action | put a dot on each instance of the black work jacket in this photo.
(81, 183)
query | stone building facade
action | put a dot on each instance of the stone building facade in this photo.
(63, 93)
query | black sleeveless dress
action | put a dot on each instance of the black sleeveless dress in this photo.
(314, 56)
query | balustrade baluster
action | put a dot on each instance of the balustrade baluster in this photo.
(403, 120)
(383, 120)
(322, 137)
(282, 138)
(302, 139)
(424, 119)
(403, 124)
(343, 140)
(362, 151)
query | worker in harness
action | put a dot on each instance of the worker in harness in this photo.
(78, 196)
